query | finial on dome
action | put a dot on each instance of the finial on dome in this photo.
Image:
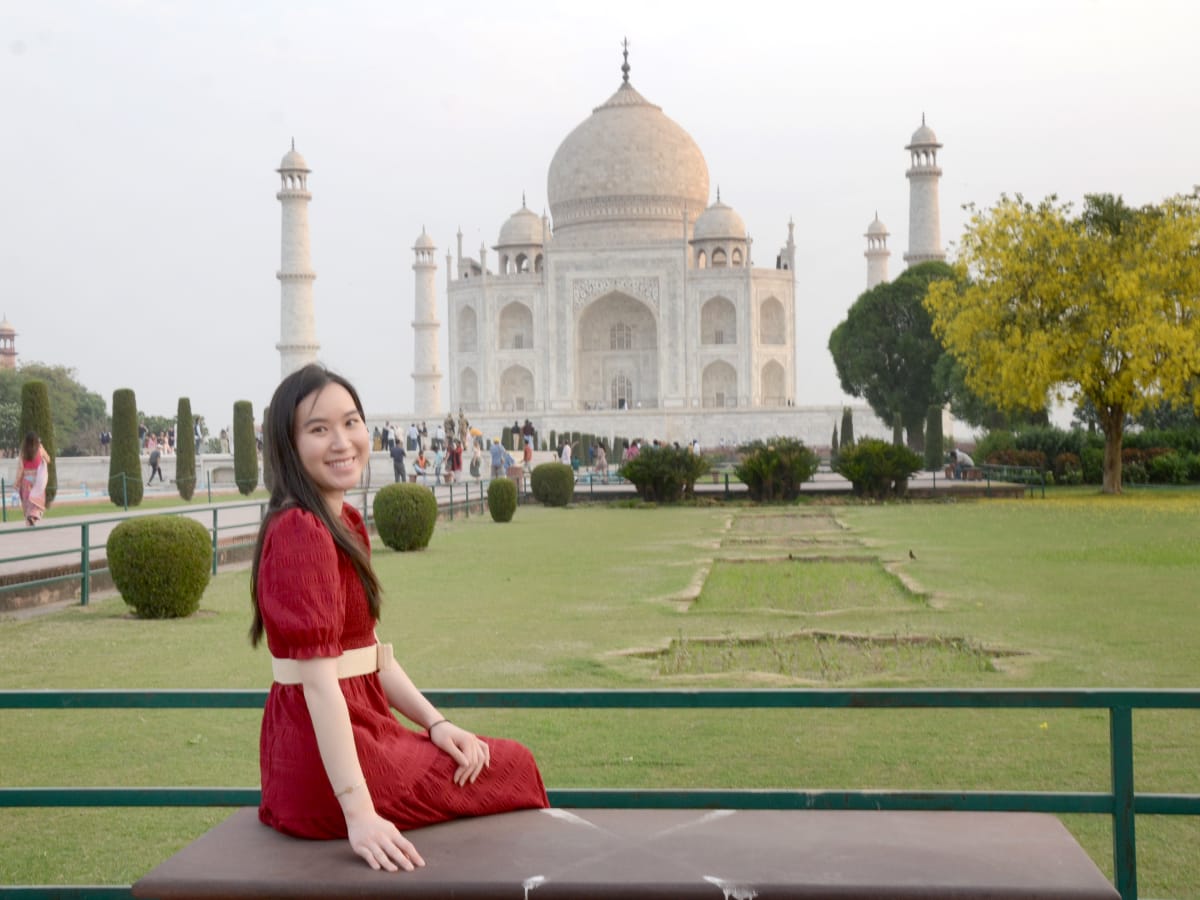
(522, 199)
(922, 118)
(293, 143)
(718, 193)
(625, 65)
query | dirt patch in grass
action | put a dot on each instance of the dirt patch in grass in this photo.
(825, 657)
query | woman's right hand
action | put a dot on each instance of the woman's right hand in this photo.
(381, 844)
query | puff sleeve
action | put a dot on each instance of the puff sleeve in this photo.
(300, 593)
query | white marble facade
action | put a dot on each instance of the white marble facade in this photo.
(635, 293)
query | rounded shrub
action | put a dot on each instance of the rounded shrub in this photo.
(775, 469)
(405, 515)
(553, 484)
(245, 448)
(665, 474)
(502, 499)
(878, 469)
(125, 464)
(160, 564)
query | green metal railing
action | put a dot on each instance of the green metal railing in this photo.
(1121, 803)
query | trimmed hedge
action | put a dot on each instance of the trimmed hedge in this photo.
(878, 469)
(185, 450)
(502, 499)
(405, 516)
(245, 448)
(775, 469)
(665, 474)
(553, 484)
(160, 564)
(36, 417)
(125, 465)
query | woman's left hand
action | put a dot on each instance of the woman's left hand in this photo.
(471, 754)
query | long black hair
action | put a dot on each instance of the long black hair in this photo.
(29, 446)
(291, 486)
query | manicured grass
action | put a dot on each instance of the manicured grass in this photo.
(103, 506)
(1074, 590)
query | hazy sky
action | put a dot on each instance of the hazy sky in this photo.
(139, 230)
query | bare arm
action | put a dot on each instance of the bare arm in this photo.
(371, 836)
(471, 754)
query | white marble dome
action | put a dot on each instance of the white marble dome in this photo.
(293, 162)
(876, 228)
(424, 242)
(923, 136)
(719, 222)
(523, 228)
(627, 167)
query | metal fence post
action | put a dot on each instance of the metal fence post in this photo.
(4, 499)
(214, 539)
(1120, 730)
(85, 576)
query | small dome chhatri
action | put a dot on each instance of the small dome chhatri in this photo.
(293, 161)
(424, 242)
(523, 228)
(876, 228)
(719, 221)
(923, 136)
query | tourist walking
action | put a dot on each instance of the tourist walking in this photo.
(335, 762)
(155, 459)
(397, 461)
(33, 473)
(497, 458)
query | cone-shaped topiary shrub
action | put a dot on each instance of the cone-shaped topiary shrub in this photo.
(245, 448)
(405, 515)
(268, 474)
(160, 564)
(847, 429)
(36, 417)
(553, 484)
(502, 499)
(185, 450)
(125, 464)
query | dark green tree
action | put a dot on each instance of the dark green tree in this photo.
(966, 405)
(185, 450)
(934, 443)
(833, 446)
(37, 416)
(125, 461)
(885, 351)
(268, 474)
(245, 447)
(79, 415)
(847, 428)
(898, 430)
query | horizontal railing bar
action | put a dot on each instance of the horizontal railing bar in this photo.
(39, 582)
(671, 698)
(67, 892)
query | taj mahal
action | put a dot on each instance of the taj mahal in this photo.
(637, 306)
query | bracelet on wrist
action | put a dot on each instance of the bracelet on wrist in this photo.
(429, 728)
(344, 791)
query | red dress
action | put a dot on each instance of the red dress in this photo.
(313, 604)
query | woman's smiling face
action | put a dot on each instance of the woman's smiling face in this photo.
(332, 442)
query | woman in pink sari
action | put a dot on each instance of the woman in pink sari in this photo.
(32, 472)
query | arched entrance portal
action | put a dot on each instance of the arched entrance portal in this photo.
(516, 389)
(616, 342)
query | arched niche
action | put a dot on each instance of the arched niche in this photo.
(516, 389)
(516, 327)
(468, 330)
(718, 385)
(772, 324)
(616, 335)
(774, 385)
(718, 321)
(468, 389)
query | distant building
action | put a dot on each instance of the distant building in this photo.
(297, 325)
(8, 345)
(635, 292)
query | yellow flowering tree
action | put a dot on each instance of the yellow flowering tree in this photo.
(1102, 306)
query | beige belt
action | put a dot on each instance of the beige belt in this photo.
(361, 661)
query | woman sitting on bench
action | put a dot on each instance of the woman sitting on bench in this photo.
(335, 761)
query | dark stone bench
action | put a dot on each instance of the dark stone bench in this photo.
(712, 854)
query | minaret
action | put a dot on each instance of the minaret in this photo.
(877, 253)
(924, 218)
(297, 328)
(427, 387)
(8, 345)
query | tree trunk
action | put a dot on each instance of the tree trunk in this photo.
(914, 427)
(1112, 422)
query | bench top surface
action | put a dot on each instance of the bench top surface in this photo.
(714, 854)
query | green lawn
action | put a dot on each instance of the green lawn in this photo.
(1076, 590)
